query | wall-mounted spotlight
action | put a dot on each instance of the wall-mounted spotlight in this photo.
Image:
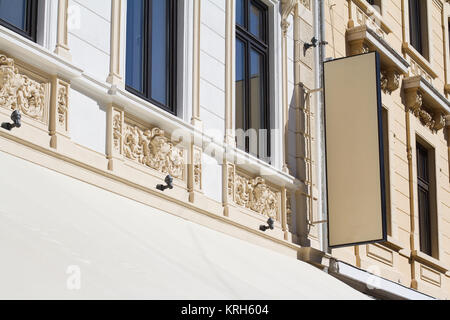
(314, 43)
(168, 180)
(270, 223)
(16, 118)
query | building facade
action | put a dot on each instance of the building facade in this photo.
(413, 41)
(225, 97)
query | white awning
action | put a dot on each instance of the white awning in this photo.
(57, 233)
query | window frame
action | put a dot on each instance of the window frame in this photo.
(30, 31)
(428, 232)
(262, 47)
(423, 27)
(171, 62)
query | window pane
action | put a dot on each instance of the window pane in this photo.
(240, 12)
(256, 21)
(159, 51)
(424, 219)
(135, 35)
(415, 28)
(422, 163)
(256, 91)
(240, 88)
(14, 12)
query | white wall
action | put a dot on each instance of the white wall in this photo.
(87, 121)
(89, 36)
(212, 178)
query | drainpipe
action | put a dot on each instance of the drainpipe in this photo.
(319, 27)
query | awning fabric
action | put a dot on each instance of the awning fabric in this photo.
(121, 249)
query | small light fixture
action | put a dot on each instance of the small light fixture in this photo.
(16, 118)
(314, 42)
(168, 180)
(270, 223)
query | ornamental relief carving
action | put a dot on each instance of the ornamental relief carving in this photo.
(149, 147)
(289, 210)
(390, 81)
(434, 120)
(62, 106)
(254, 194)
(417, 70)
(198, 168)
(369, 19)
(20, 92)
(230, 182)
(306, 4)
(117, 131)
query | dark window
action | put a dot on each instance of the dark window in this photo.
(19, 16)
(252, 83)
(151, 51)
(425, 190)
(418, 26)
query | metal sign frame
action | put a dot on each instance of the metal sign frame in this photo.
(380, 153)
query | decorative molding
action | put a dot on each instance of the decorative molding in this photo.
(425, 102)
(230, 32)
(419, 66)
(358, 47)
(196, 120)
(287, 6)
(59, 110)
(390, 80)
(114, 140)
(147, 146)
(380, 253)
(230, 180)
(194, 171)
(62, 46)
(368, 16)
(62, 106)
(253, 194)
(362, 39)
(197, 168)
(19, 91)
(153, 149)
(289, 211)
(429, 275)
(434, 120)
(115, 75)
(417, 70)
(306, 4)
(117, 121)
(228, 173)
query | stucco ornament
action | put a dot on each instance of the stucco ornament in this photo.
(390, 81)
(117, 131)
(256, 195)
(197, 168)
(432, 119)
(153, 149)
(62, 105)
(18, 91)
(286, 8)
